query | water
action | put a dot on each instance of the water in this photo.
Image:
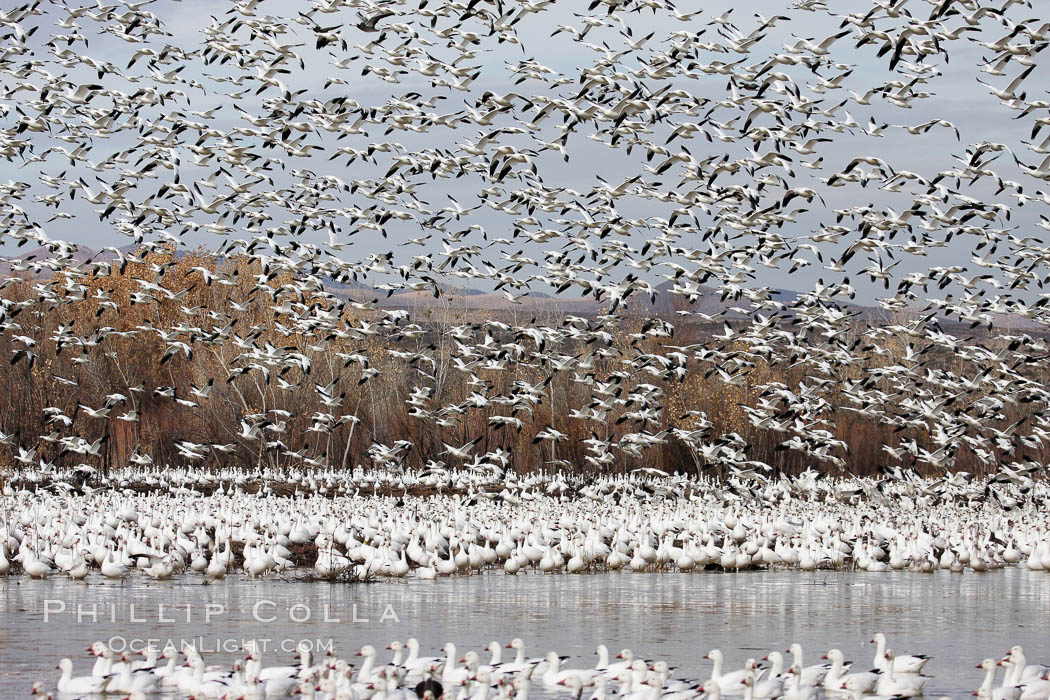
(958, 618)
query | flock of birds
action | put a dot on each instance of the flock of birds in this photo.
(407, 675)
(638, 154)
(327, 528)
(409, 146)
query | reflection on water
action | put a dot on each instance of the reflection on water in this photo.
(960, 619)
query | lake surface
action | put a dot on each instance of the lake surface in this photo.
(958, 618)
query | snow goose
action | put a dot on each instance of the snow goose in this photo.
(892, 682)
(1038, 689)
(1024, 671)
(199, 679)
(627, 690)
(253, 665)
(483, 682)
(216, 568)
(472, 663)
(795, 689)
(399, 652)
(113, 568)
(555, 674)
(446, 567)
(837, 675)
(38, 689)
(129, 681)
(670, 685)
(386, 689)
(772, 686)
(79, 685)
(106, 667)
(640, 670)
(617, 667)
(776, 664)
(342, 682)
(196, 685)
(729, 683)
(811, 675)
(904, 663)
(451, 676)
(601, 689)
(538, 664)
(418, 665)
(79, 570)
(521, 686)
(165, 674)
(603, 657)
(34, 567)
(854, 688)
(102, 664)
(495, 649)
(712, 689)
(428, 573)
(367, 672)
(987, 691)
(149, 661)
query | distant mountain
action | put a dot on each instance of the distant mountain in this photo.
(665, 304)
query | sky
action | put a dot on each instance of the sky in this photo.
(955, 95)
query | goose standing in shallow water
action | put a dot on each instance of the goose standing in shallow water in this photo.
(34, 567)
(112, 567)
(594, 534)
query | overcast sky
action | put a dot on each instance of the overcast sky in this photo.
(955, 95)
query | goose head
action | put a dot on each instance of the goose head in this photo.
(471, 660)
(711, 689)
(834, 656)
(661, 668)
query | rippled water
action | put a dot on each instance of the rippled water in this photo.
(958, 618)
